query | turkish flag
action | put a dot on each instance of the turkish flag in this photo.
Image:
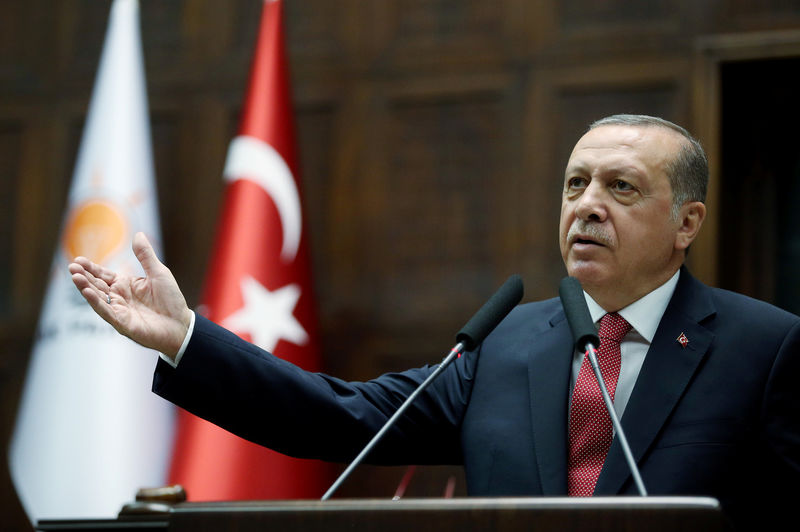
(258, 285)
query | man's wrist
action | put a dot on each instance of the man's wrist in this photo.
(174, 361)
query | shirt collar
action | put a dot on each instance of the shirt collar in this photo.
(645, 313)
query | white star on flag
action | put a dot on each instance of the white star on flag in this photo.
(267, 316)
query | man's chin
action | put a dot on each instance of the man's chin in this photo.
(588, 273)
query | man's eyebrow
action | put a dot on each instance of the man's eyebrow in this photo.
(620, 169)
(575, 167)
(626, 169)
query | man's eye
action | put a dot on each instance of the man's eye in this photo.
(576, 182)
(622, 186)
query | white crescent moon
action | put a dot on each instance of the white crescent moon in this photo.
(255, 160)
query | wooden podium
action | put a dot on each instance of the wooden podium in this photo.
(654, 514)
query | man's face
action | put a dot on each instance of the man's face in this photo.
(617, 234)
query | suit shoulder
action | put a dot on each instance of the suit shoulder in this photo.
(750, 308)
(743, 316)
(531, 315)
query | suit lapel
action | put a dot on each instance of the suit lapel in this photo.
(667, 370)
(549, 364)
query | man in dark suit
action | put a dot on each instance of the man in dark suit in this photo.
(699, 376)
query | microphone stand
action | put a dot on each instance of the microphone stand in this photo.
(585, 335)
(591, 352)
(477, 328)
(454, 353)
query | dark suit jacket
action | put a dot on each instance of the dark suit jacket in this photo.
(719, 417)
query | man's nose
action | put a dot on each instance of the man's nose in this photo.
(592, 204)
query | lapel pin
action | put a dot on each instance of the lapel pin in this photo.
(682, 340)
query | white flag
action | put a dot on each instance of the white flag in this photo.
(89, 432)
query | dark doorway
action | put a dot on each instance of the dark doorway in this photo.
(760, 180)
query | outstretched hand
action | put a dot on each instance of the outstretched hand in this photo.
(150, 310)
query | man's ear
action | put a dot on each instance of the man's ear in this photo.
(692, 215)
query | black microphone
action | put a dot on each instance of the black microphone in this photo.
(585, 336)
(470, 336)
(491, 313)
(578, 317)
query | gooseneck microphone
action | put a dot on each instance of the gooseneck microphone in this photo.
(585, 336)
(578, 317)
(491, 313)
(482, 323)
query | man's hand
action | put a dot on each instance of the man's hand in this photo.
(149, 310)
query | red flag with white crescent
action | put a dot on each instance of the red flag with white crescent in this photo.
(258, 284)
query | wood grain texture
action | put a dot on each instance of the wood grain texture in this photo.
(433, 136)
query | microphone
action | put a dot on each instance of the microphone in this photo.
(585, 336)
(491, 313)
(578, 317)
(470, 336)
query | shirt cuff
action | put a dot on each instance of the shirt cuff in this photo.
(174, 363)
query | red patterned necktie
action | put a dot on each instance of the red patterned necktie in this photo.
(590, 429)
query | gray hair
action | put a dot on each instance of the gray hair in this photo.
(687, 172)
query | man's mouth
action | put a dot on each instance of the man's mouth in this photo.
(585, 236)
(579, 240)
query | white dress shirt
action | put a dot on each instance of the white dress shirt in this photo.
(644, 315)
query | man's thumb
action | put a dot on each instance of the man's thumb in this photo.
(145, 254)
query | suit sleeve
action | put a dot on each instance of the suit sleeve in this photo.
(781, 417)
(269, 401)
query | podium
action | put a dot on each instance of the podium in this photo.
(543, 514)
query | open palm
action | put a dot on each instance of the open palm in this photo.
(150, 310)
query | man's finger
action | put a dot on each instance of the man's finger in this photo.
(101, 285)
(145, 254)
(97, 299)
(99, 305)
(81, 277)
(80, 280)
(96, 270)
(86, 287)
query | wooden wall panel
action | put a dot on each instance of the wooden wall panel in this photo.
(316, 128)
(418, 32)
(433, 138)
(611, 14)
(322, 34)
(10, 145)
(424, 209)
(190, 140)
(21, 24)
(433, 208)
(594, 32)
(173, 200)
(81, 30)
(15, 334)
(741, 15)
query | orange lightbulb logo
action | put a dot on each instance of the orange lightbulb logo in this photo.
(95, 230)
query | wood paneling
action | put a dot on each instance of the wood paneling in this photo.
(439, 32)
(433, 138)
(10, 144)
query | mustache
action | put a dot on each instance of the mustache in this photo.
(588, 230)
